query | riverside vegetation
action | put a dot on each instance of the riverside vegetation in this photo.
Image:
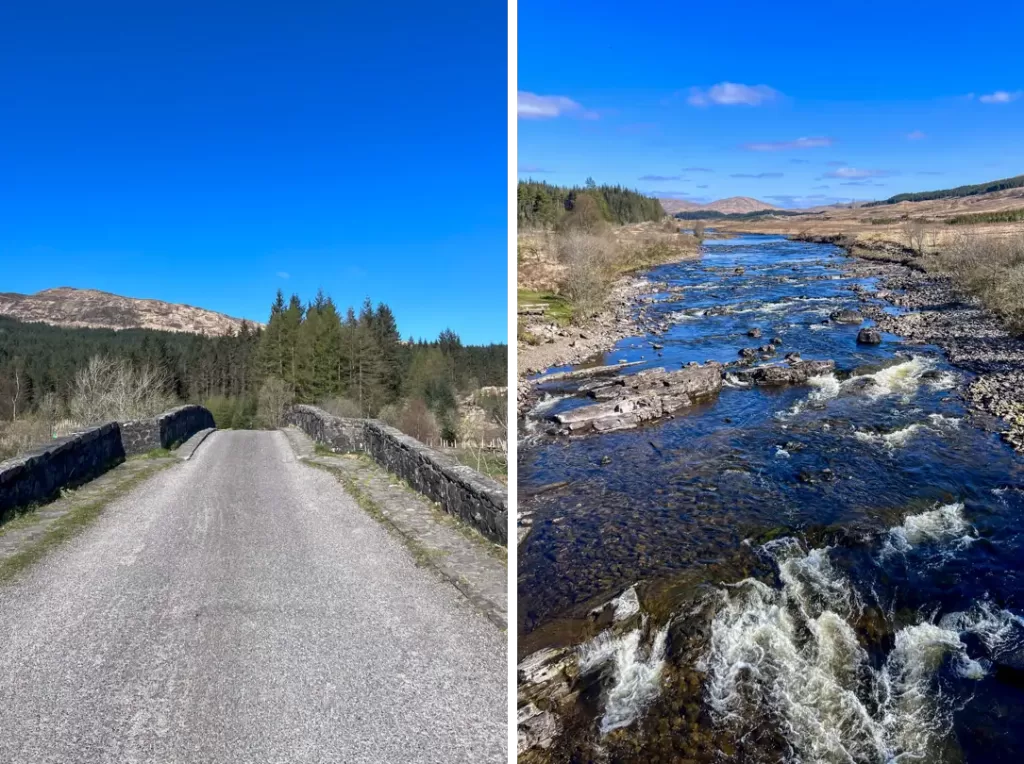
(54, 380)
(575, 247)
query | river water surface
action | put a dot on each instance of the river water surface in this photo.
(826, 572)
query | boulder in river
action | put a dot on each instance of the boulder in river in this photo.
(755, 332)
(793, 373)
(847, 316)
(868, 336)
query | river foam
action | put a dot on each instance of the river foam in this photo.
(791, 659)
(636, 668)
(943, 525)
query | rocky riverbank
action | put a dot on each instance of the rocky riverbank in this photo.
(569, 345)
(934, 312)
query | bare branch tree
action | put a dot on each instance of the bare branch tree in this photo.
(915, 232)
(108, 389)
(17, 393)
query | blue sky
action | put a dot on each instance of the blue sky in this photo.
(209, 153)
(798, 104)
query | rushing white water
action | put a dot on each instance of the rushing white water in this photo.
(824, 387)
(943, 524)
(890, 440)
(636, 671)
(789, 658)
(1000, 631)
(903, 379)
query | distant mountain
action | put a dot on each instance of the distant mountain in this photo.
(67, 306)
(734, 205)
(672, 206)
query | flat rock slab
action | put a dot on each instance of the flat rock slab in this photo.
(628, 401)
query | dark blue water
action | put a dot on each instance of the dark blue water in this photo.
(875, 482)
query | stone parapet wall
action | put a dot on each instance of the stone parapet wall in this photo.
(342, 435)
(39, 475)
(461, 491)
(165, 431)
(64, 463)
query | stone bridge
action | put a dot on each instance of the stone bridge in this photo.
(251, 597)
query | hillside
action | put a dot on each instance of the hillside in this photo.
(976, 189)
(738, 205)
(91, 308)
(672, 206)
(733, 205)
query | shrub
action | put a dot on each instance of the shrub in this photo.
(990, 267)
(343, 407)
(588, 261)
(274, 397)
(107, 389)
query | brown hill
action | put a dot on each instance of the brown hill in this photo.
(738, 205)
(672, 206)
(729, 206)
(67, 306)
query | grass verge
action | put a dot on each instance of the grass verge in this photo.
(78, 517)
(556, 307)
(421, 554)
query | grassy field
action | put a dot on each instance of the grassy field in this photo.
(556, 307)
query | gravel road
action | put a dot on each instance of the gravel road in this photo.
(240, 607)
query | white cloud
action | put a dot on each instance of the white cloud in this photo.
(799, 143)
(732, 94)
(916, 135)
(1001, 96)
(533, 106)
(854, 172)
(283, 275)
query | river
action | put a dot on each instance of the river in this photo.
(828, 572)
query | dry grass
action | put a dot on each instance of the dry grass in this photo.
(990, 268)
(575, 267)
(21, 436)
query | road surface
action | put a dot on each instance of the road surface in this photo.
(240, 607)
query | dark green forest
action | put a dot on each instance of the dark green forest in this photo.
(947, 193)
(307, 352)
(544, 205)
